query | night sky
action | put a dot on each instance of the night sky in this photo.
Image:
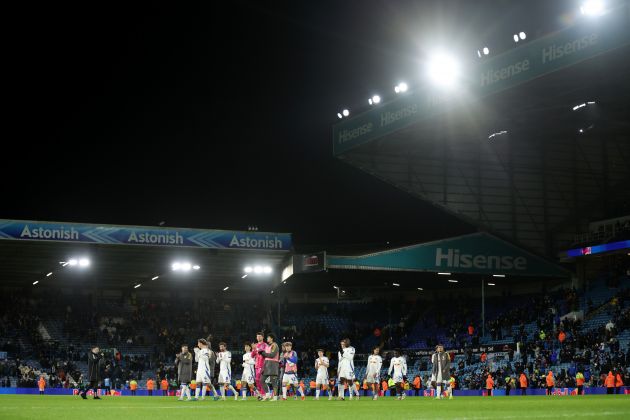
(218, 115)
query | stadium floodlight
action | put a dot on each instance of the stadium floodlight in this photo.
(522, 35)
(196, 267)
(339, 115)
(72, 262)
(592, 8)
(84, 262)
(186, 266)
(420, 288)
(243, 276)
(443, 69)
(345, 112)
(498, 275)
(478, 53)
(267, 270)
(498, 133)
(575, 108)
(486, 50)
(155, 278)
(591, 102)
(225, 288)
(176, 266)
(396, 284)
(444, 274)
(49, 274)
(248, 269)
(258, 269)
(374, 100)
(452, 281)
(491, 284)
(515, 37)
(581, 130)
(401, 87)
(137, 285)
(35, 282)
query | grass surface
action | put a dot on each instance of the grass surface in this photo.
(129, 408)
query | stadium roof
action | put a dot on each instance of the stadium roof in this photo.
(124, 256)
(548, 169)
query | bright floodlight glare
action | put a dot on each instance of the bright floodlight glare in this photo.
(491, 284)
(35, 282)
(49, 274)
(339, 115)
(155, 278)
(258, 269)
(370, 101)
(186, 266)
(486, 50)
(592, 7)
(225, 288)
(420, 288)
(444, 274)
(72, 262)
(176, 266)
(452, 281)
(267, 270)
(443, 70)
(243, 276)
(402, 86)
(84, 262)
(248, 269)
(376, 99)
(478, 53)
(522, 35)
(515, 38)
(136, 286)
(498, 275)
(196, 267)
(396, 284)
(345, 112)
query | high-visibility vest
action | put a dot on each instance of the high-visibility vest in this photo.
(618, 380)
(523, 381)
(610, 381)
(550, 380)
(579, 379)
(489, 382)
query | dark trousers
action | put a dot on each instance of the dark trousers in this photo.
(549, 390)
(610, 390)
(133, 392)
(273, 383)
(618, 390)
(580, 390)
(489, 392)
(523, 391)
(150, 393)
(507, 390)
(164, 393)
(417, 391)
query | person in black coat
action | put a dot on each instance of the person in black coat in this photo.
(95, 365)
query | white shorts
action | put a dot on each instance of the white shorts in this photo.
(290, 379)
(203, 378)
(225, 376)
(321, 379)
(373, 377)
(346, 372)
(248, 376)
(397, 377)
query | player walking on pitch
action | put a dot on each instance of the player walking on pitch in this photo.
(183, 362)
(345, 368)
(204, 375)
(289, 378)
(248, 378)
(225, 371)
(321, 381)
(399, 367)
(441, 369)
(373, 372)
(259, 348)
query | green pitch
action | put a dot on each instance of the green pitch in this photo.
(129, 408)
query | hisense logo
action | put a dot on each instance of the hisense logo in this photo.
(454, 259)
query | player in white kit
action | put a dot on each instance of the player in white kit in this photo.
(373, 372)
(204, 375)
(345, 370)
(248, 378)
(224, 357)
(321, 364)
(398, 365)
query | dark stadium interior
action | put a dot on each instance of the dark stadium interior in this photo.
(154, 119)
